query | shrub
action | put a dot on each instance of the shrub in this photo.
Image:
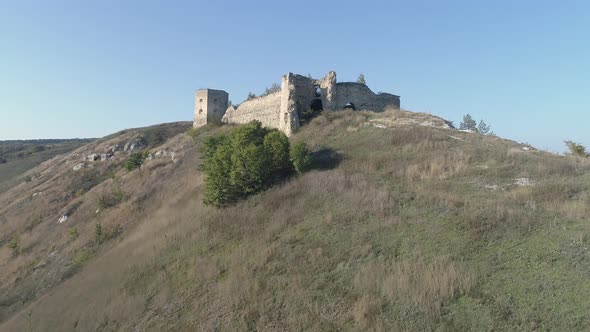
(250, 96)
(576, 149)
(218, 186)
(308, 115)
(250, 168)
(14, 246)
(73, 233)
(81, 258)
(135, 160)
(98, 233)
(300, 157)
(112, 199)
(246, 161)
(277, 145)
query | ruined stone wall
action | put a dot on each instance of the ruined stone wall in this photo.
(264, 109)
(328, 88)
(283, 109)
(363, 98)
(278, 110)
(296, 94)
(301, 92)
(216, 105)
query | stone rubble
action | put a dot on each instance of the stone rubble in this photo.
(62, 219)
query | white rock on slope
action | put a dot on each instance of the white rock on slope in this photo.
(79, 166)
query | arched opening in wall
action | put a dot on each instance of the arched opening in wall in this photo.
(318, 91)
(316, 105)
(200, 111)
(349, 106)
(315, 109)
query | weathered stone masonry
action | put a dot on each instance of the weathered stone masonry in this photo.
(210, 106)
(282, 109)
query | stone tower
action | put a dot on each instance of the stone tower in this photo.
(210, 106)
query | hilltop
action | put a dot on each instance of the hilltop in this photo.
(405, 224)
(18, 156)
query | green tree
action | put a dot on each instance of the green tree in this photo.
(218, 187)
(361, 79)
(210, 145)
(250, 169)
(300, 157)
(577, 149)
(468, 123)
(135, 160)
(276, 145)
(483, 128)
(250, 96)
(247, 160)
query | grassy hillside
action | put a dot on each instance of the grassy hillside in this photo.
(17, 157)
(402, 225)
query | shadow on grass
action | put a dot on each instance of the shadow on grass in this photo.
(325, 159)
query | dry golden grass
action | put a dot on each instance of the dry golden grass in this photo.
(365, 310)
(400, 233)
(48, 253)
(428, 284)
(393, 118)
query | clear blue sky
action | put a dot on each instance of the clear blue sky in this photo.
(90, 68)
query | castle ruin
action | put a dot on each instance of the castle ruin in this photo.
(282, 109)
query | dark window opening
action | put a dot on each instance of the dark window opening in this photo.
(350, 106)
(316, 105)
(318, 91)
(200, 111)
(315, 109)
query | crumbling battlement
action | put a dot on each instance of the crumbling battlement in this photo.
(283, 109)
(363, 98)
